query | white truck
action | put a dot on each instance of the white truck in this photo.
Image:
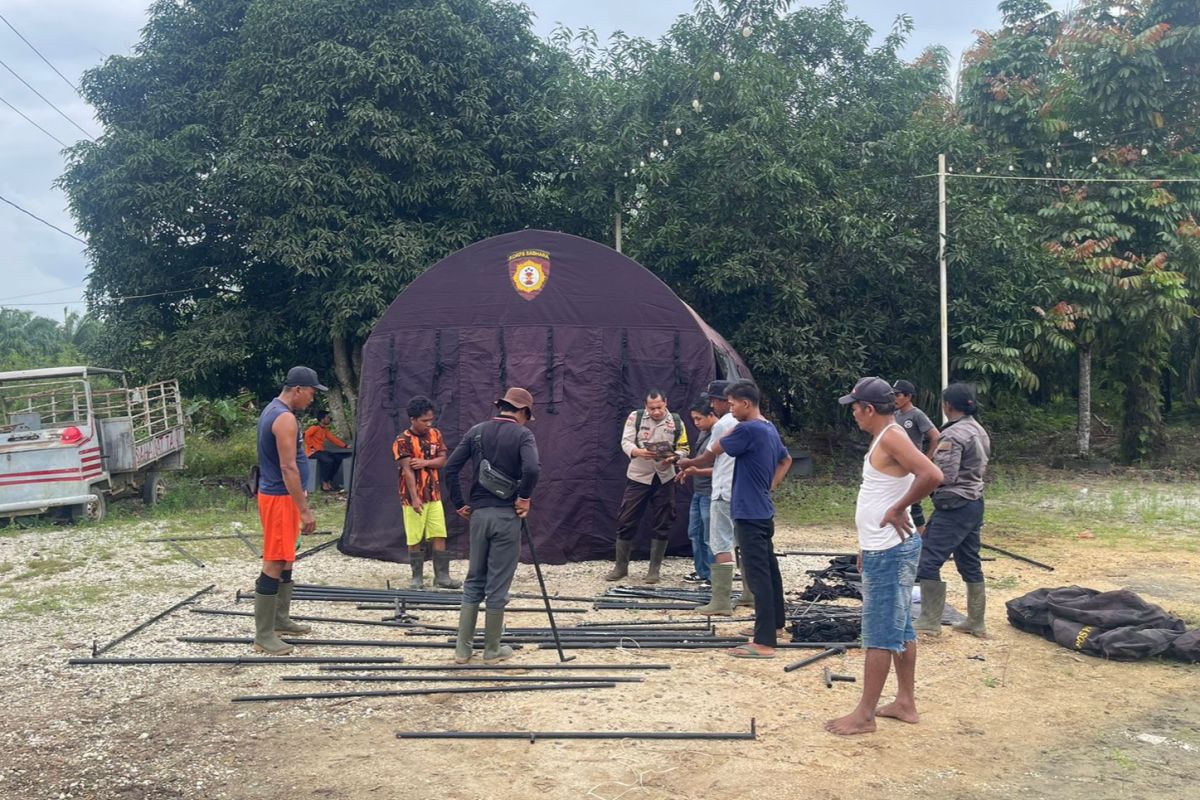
(71, 438)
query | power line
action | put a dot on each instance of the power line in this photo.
(1058, 180)
(34, 124)
(113, 299)
(46, 291)
(39, 219)
(39, 94)
(39, 53)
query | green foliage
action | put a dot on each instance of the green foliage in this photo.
(274, 173)
(30, 342)
(228, 456)
(1108, 93)
(219, 418)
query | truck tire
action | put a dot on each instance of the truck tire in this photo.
(94, 510)
(153, 489)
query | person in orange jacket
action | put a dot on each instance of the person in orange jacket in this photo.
(319, 444)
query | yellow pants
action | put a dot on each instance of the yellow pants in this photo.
(429, 523)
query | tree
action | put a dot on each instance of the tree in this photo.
(765, 168)
(1108, 100)
(276, 172)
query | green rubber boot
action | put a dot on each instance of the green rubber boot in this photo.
(265, 638)
(493, 629)
(976, 605)
(658, 549)
(747, 597)
(464, 647)
(722, 582)
(283, 607)
(417, 562)
(621, 565)
(933, 603)
(441, 571)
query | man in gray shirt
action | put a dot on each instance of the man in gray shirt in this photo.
(962, 455)
(921, 431)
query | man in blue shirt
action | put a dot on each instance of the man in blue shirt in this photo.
(761, 463)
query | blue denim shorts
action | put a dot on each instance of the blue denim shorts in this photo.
(888, 577)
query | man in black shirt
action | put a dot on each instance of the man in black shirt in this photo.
(495, 511)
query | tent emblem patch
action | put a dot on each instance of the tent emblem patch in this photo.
(529, 271)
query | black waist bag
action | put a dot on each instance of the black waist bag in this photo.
(491, 478)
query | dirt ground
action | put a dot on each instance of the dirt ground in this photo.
(1029, 719)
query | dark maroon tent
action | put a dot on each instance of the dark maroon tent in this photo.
(582, 327)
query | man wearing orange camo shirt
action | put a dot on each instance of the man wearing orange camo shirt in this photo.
(420, 453)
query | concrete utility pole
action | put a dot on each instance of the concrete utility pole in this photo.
(945, 324)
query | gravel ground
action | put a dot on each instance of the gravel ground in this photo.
(108, 731)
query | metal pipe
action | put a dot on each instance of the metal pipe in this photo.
(261, 698)
(633, 644)
(177, 660)
(1010, 554)
(185, 554)
(468, 678)
(813, 553)
(534, 736)
(537, 568)
(315, 642)
(488, 667)
(340, 620)
(97, 651)
(804, 662)
(616, 641)
(318, 548)
(414, 607)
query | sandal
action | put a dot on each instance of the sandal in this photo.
(747, 651)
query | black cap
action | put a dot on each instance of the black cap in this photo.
(716, 390)
(304, 376)
(869, 390)
(961, 397)
(904, 387)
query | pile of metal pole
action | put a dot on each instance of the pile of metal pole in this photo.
(401, 601)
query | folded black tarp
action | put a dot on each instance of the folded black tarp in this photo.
(1118, 625)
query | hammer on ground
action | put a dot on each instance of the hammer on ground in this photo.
(831, 677)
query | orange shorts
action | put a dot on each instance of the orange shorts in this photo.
(281, 526)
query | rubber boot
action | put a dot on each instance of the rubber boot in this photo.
(658, 549)
(722, 582)
(976, 605)
(621, 565)
(933, 603)
(468, 615)
(441, 571)
(493, 629)
(283, 607)
(747, 597)
(265, 638)
(417, 562)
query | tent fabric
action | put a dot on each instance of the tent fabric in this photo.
(584, 328)
(1117, 625)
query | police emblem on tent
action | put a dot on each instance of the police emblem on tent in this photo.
(529, 271)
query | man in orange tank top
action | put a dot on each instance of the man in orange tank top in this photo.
(895, 475)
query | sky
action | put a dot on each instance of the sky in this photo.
(43, 270)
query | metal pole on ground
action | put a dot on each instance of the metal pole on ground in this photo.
(542, 584)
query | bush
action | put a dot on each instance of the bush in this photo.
(208, 455)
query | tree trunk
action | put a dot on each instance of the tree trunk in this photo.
(337, 409)
(1085, 400)
(1141, 424)
(345, 376)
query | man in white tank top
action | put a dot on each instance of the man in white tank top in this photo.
(895, 475)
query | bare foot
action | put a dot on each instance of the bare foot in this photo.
(904, 713)
(851, 724)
